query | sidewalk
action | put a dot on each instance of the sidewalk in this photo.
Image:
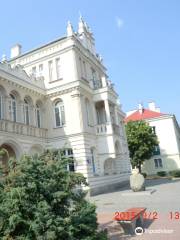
(165, 200)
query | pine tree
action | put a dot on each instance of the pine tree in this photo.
(40, 199)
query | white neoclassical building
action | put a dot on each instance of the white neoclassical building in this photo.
(58, 96)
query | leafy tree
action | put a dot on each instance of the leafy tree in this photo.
(39, 200)
(141, 142)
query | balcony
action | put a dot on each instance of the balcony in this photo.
(98, 83)
(101, 129)
(107, 128)
(116, 129)
(22, 129)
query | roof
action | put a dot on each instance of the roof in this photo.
(37, 48)
(146, 114)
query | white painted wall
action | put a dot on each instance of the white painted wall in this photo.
(168, 134)
(73, 88)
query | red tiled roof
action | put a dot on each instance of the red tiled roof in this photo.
(137, 116)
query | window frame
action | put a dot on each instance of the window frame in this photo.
(68, 152)
(38, 113)
(58, 68)
(41, 69)
(59, 105)
(158, 163)
(13, 108)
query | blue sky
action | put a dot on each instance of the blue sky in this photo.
(138, 39)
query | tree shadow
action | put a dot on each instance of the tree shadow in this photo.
(115, 231)
(155, 182)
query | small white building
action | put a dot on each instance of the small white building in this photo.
(59, 96)
(167, 154)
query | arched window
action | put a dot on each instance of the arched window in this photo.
(13, 108)
(59, 113)
(26, 111)
(38, 115)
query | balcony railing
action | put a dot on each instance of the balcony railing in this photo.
(109, 128)
(97, 84)
(101, 129)
(20, 128)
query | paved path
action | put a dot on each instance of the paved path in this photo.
(164, 200)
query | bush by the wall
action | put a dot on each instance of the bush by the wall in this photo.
(144, 174)
(162, 173)
(175, 173)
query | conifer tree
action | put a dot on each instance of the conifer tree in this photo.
(40, 199)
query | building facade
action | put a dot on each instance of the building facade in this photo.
(167, 154)
(59, 96)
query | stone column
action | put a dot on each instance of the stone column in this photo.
(32, 117)
(116, 114)
(94, 114)
(20, 111)
(104, 82)
(107, 110)
(77, 99)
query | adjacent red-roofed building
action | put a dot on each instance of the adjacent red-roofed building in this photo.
(145, 114)
(167, 154)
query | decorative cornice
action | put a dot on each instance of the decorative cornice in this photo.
(64, 91)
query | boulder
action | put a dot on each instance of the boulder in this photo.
(137, 181)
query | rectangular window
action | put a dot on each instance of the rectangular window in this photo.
(69, 154)
(34, 72)
(58, 68)
(84, 70)
(40, 70)
(158, 163)
(157, 150)
(62, 115)
(154, 130)
(50, 64)
(96, 82)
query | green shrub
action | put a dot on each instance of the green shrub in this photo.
(40, 200)
(144, 174)
(175, 173)
(162, 173)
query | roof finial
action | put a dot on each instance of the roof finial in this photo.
(70, 31)
(80, 16)
(3, 60)
(82, 27)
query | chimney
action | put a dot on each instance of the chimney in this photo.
(16, 51)
(140, 108)
(152, 107)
